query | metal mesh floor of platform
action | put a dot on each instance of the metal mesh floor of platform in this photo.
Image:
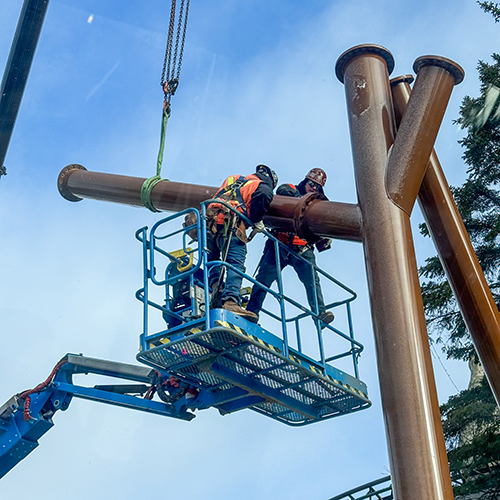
(293, 390)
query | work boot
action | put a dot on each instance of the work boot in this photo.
(326, 318)
(231, 306)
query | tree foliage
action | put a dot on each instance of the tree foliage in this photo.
(471, 424)
(492, 8)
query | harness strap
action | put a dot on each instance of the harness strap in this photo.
(291, 238)
(232, 193)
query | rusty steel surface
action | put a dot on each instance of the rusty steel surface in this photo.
(419, 465)
(419, 128)
(322, 218)
(76, 182)
(457, 256)
(327, 219)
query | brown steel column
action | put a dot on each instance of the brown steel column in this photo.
(322, 218)
(436, 77)
(417, 452)
(457, 256)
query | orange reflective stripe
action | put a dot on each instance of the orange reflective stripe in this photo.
(290, 238)
(299, 241)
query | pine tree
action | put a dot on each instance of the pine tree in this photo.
(471, 425)
(492, 8)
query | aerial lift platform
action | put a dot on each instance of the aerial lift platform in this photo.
(199, 357)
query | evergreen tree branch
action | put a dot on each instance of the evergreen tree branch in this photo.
(492, 8)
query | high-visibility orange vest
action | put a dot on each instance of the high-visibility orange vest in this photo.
(236, 190)
(290, 238)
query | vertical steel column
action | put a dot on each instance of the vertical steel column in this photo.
(457, 255)
(419, 465)
(18, 67)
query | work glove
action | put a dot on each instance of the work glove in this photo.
(324, 244)
(258, 227)
(189, 220)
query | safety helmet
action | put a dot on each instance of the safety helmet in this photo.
(317, 175)
(264, 169)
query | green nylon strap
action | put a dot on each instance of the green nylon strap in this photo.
(150, 183)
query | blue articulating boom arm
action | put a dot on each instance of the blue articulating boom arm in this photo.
(27, 416)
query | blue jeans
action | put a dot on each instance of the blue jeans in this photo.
(267, 275)
(236, 256)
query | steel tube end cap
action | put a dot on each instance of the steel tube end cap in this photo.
(62, 181)
(401, 79)
(451, 66)
(358, 50)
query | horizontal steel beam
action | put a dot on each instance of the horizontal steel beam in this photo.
(306, 215)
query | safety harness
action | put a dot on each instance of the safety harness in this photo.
(234, 191)
(237, 192)
(291, 238)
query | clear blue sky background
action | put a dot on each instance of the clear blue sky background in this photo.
(257, 85)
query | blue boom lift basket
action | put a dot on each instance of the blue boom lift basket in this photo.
(229, 362)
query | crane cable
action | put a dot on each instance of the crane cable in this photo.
(169, 81)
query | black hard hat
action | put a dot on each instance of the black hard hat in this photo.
(264, 169)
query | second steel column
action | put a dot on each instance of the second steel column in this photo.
(457, 256)
(419, 465)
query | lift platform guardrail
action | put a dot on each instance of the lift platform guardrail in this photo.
(233, 362)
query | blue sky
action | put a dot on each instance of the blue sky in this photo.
(257, 85)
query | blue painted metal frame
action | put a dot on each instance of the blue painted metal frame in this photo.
(149, 247)
(19, 437)
(176, 349)
(236, 353)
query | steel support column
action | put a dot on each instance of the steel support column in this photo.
(457, 255)
(417, 132)
(419, 465)
(18, 67)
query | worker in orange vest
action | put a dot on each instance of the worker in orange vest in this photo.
(250, 195)
(314, 181)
